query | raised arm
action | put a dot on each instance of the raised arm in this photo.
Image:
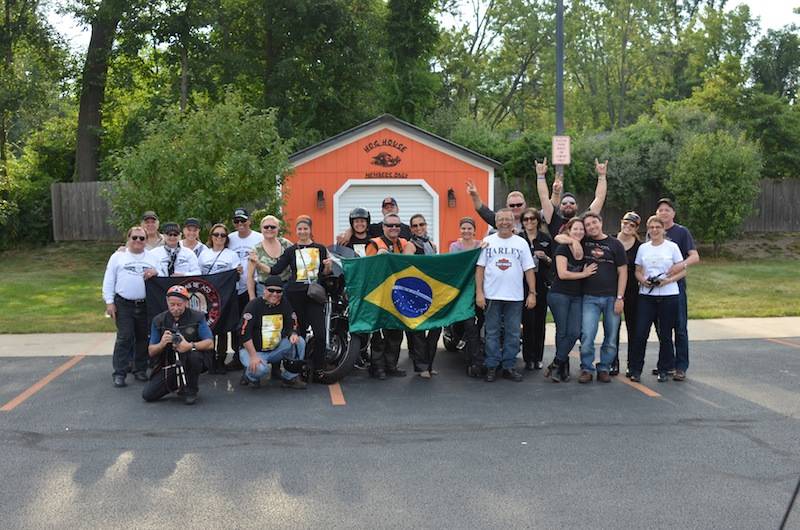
(602, 187)
(544, 193)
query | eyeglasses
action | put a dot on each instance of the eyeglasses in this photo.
(565, 203)
(418, 225)
(529, 219)
(274, 291)
(516, 205)
(269, 227)
(239, 221)
(392, 225)
(173, 234)
(138, 238)
(219, 234)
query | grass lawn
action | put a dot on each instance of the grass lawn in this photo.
(57, 289)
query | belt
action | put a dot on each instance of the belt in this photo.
(134, 302)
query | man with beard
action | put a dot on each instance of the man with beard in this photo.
(515, 201)
(555, 219)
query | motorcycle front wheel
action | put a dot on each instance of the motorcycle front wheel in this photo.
(340, 355)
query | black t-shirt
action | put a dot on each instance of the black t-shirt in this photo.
(568, 287)
(681, 236)
(376, 230)
(266, 325)
(609, 254)
(359, 245)
(544, 272)
(305, 261)
(555, 224)
(632, 287)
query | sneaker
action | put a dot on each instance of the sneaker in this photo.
(604, 377)
(512, 374)
(628, 373)
(636, 378)
(491, 375)
(295, 384)
(670, 372)
(614, 369)
(680, 375)
(537, 365)
(434, 372)
(119, 381)
(425, 374)
(662, 377)
(360, 364)
(586, 377)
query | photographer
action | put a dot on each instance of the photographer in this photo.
(658, 298)
(178, 338)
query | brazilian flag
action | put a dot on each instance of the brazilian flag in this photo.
(398, 291)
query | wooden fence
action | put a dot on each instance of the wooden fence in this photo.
(82, 213)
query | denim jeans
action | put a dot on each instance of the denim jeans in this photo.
(682, 333)
(502, 318)
(663, 311)
(284, 350)
(593, 307)
(567, 314)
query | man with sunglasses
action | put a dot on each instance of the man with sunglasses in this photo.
(386, 342)
(515, 202)
(172, 258)
(269, 335)
(124, 295)
(241, 242)
(568, 205)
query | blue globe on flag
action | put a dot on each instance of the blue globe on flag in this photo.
(411, 296)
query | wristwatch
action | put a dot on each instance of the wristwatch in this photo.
(620, 297)
(194, 348)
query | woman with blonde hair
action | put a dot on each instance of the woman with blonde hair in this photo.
(265, 255)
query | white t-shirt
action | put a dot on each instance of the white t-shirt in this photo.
(212, 262)
(125, 275)
(198, 248)
(656, 260)
(242, 247)
(185, 263)
(505, 260)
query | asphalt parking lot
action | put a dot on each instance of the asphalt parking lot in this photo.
(720, 450)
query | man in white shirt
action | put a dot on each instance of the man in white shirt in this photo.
(241, 243)
(172, 258)
(505, 260)
(124, 295)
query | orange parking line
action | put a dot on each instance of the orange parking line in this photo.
(638, 386)
(337, 397)
(11, 405)
(785, 343)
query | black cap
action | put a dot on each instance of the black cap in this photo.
(170, 227)
(241, 213)
(568, 194)
(665, 200)
(191, 221)
(273, 281)
(389, 199)
(149, 214)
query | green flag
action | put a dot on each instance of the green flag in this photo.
(397, 291)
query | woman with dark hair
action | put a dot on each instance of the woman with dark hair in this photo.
(533, 320)
(629, 237)
(467, 241)
(422, 344)
(566, 297)
(217, 257)
(472, 326)
(308, 261)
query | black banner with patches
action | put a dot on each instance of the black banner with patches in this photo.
(214, 295)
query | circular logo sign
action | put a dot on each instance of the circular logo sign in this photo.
(204, 297)
(411, 296)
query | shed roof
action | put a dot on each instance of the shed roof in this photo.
(396, 123)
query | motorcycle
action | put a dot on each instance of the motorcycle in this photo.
(341, 349)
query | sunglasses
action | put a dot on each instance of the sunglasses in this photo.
(269, 227)
(239, 221)
(274, 291)
(173, 234)
(516, 204)
(138, 238)
(529, 219)
(565, 203)
(219, 234)
(392, 225)
(418, 225)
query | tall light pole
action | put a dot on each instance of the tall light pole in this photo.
(560, 75)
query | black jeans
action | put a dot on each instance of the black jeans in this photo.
(422, 347)
(533, 326)
(386, 349)
(165, 381)
(310, 313)
(236, 336)
(472, 338)
(663, 311)
(132, 331)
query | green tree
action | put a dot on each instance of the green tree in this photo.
(202, 163)
(775, 63)
(715, 181)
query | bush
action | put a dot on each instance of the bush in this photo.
(203, 163)
(715, 181)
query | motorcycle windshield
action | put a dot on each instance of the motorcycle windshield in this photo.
(337, 253)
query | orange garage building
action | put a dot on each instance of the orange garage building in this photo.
(387, 157)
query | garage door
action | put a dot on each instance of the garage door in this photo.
(413, 196)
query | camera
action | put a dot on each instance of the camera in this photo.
(177, 338)
(654, 280)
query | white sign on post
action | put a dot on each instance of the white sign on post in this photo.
(561, 151)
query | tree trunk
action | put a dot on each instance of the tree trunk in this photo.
(8, 59)
(93, 87)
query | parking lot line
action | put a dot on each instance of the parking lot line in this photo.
(11, 405)
(337, 397)
(785, 343)
(638, 386)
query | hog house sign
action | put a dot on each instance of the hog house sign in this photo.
(385, 154)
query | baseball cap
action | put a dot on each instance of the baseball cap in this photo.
(389, 199)
(568, 194)
(191, 221)
(633, 217)
(241, 213)
(273, 281)
(149, 214)
(168, 227)
(665, 200)
(178, 291)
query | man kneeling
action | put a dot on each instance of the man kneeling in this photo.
(178, 338)
(268, 336)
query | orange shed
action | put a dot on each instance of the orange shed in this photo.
(387, 157)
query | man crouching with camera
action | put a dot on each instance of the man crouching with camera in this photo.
(178, 338)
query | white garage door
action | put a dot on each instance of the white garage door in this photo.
(413, 196)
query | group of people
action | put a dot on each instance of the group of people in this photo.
(573, 268)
